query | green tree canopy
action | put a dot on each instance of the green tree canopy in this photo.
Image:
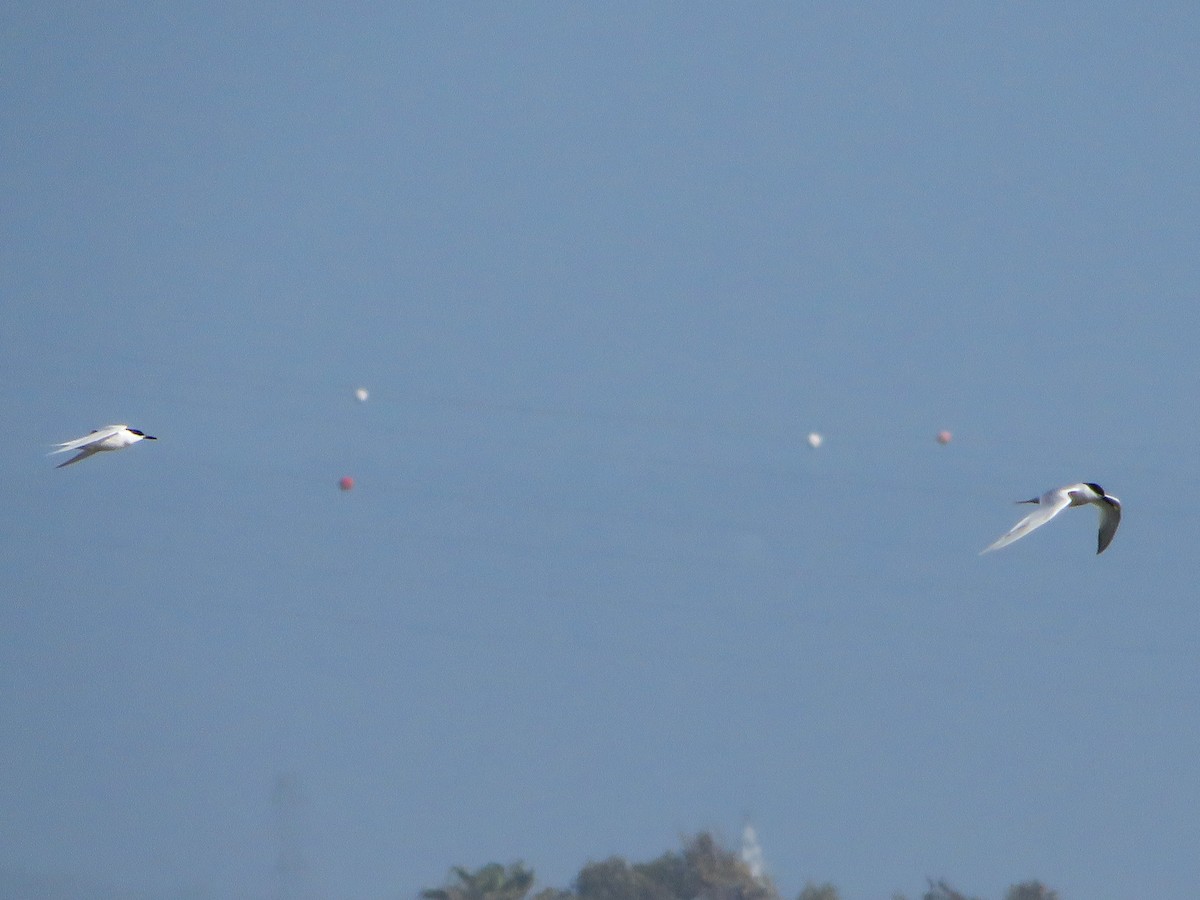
(940, 890)
(1030, 890)
(491, 882)
(819, 892)
(702, 871)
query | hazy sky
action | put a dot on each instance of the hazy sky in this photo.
(602, 267)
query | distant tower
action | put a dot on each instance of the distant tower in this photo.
(291, 866)
(752, 854)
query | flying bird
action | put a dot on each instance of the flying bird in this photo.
(1051, 503)
(110, 437)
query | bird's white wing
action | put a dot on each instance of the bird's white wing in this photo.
(1049, 505)
(82, 454)
(1110, 518)
(96, 436)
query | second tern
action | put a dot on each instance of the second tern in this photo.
(1051, 503)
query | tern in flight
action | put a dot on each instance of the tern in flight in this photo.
(110, 437)
(1051, 503)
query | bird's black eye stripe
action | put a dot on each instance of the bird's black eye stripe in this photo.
(1095, 487)
(143, 434)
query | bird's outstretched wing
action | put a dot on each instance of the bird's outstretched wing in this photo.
(94, 437)
(1049, 505)
(1110, 518)
(81, 455)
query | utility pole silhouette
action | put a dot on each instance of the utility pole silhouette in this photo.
(291, 866)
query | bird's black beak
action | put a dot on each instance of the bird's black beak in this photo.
(149, 437)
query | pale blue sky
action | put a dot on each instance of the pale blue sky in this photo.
(602, 267)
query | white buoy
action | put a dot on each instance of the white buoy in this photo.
(362, 394)
(814, 440)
